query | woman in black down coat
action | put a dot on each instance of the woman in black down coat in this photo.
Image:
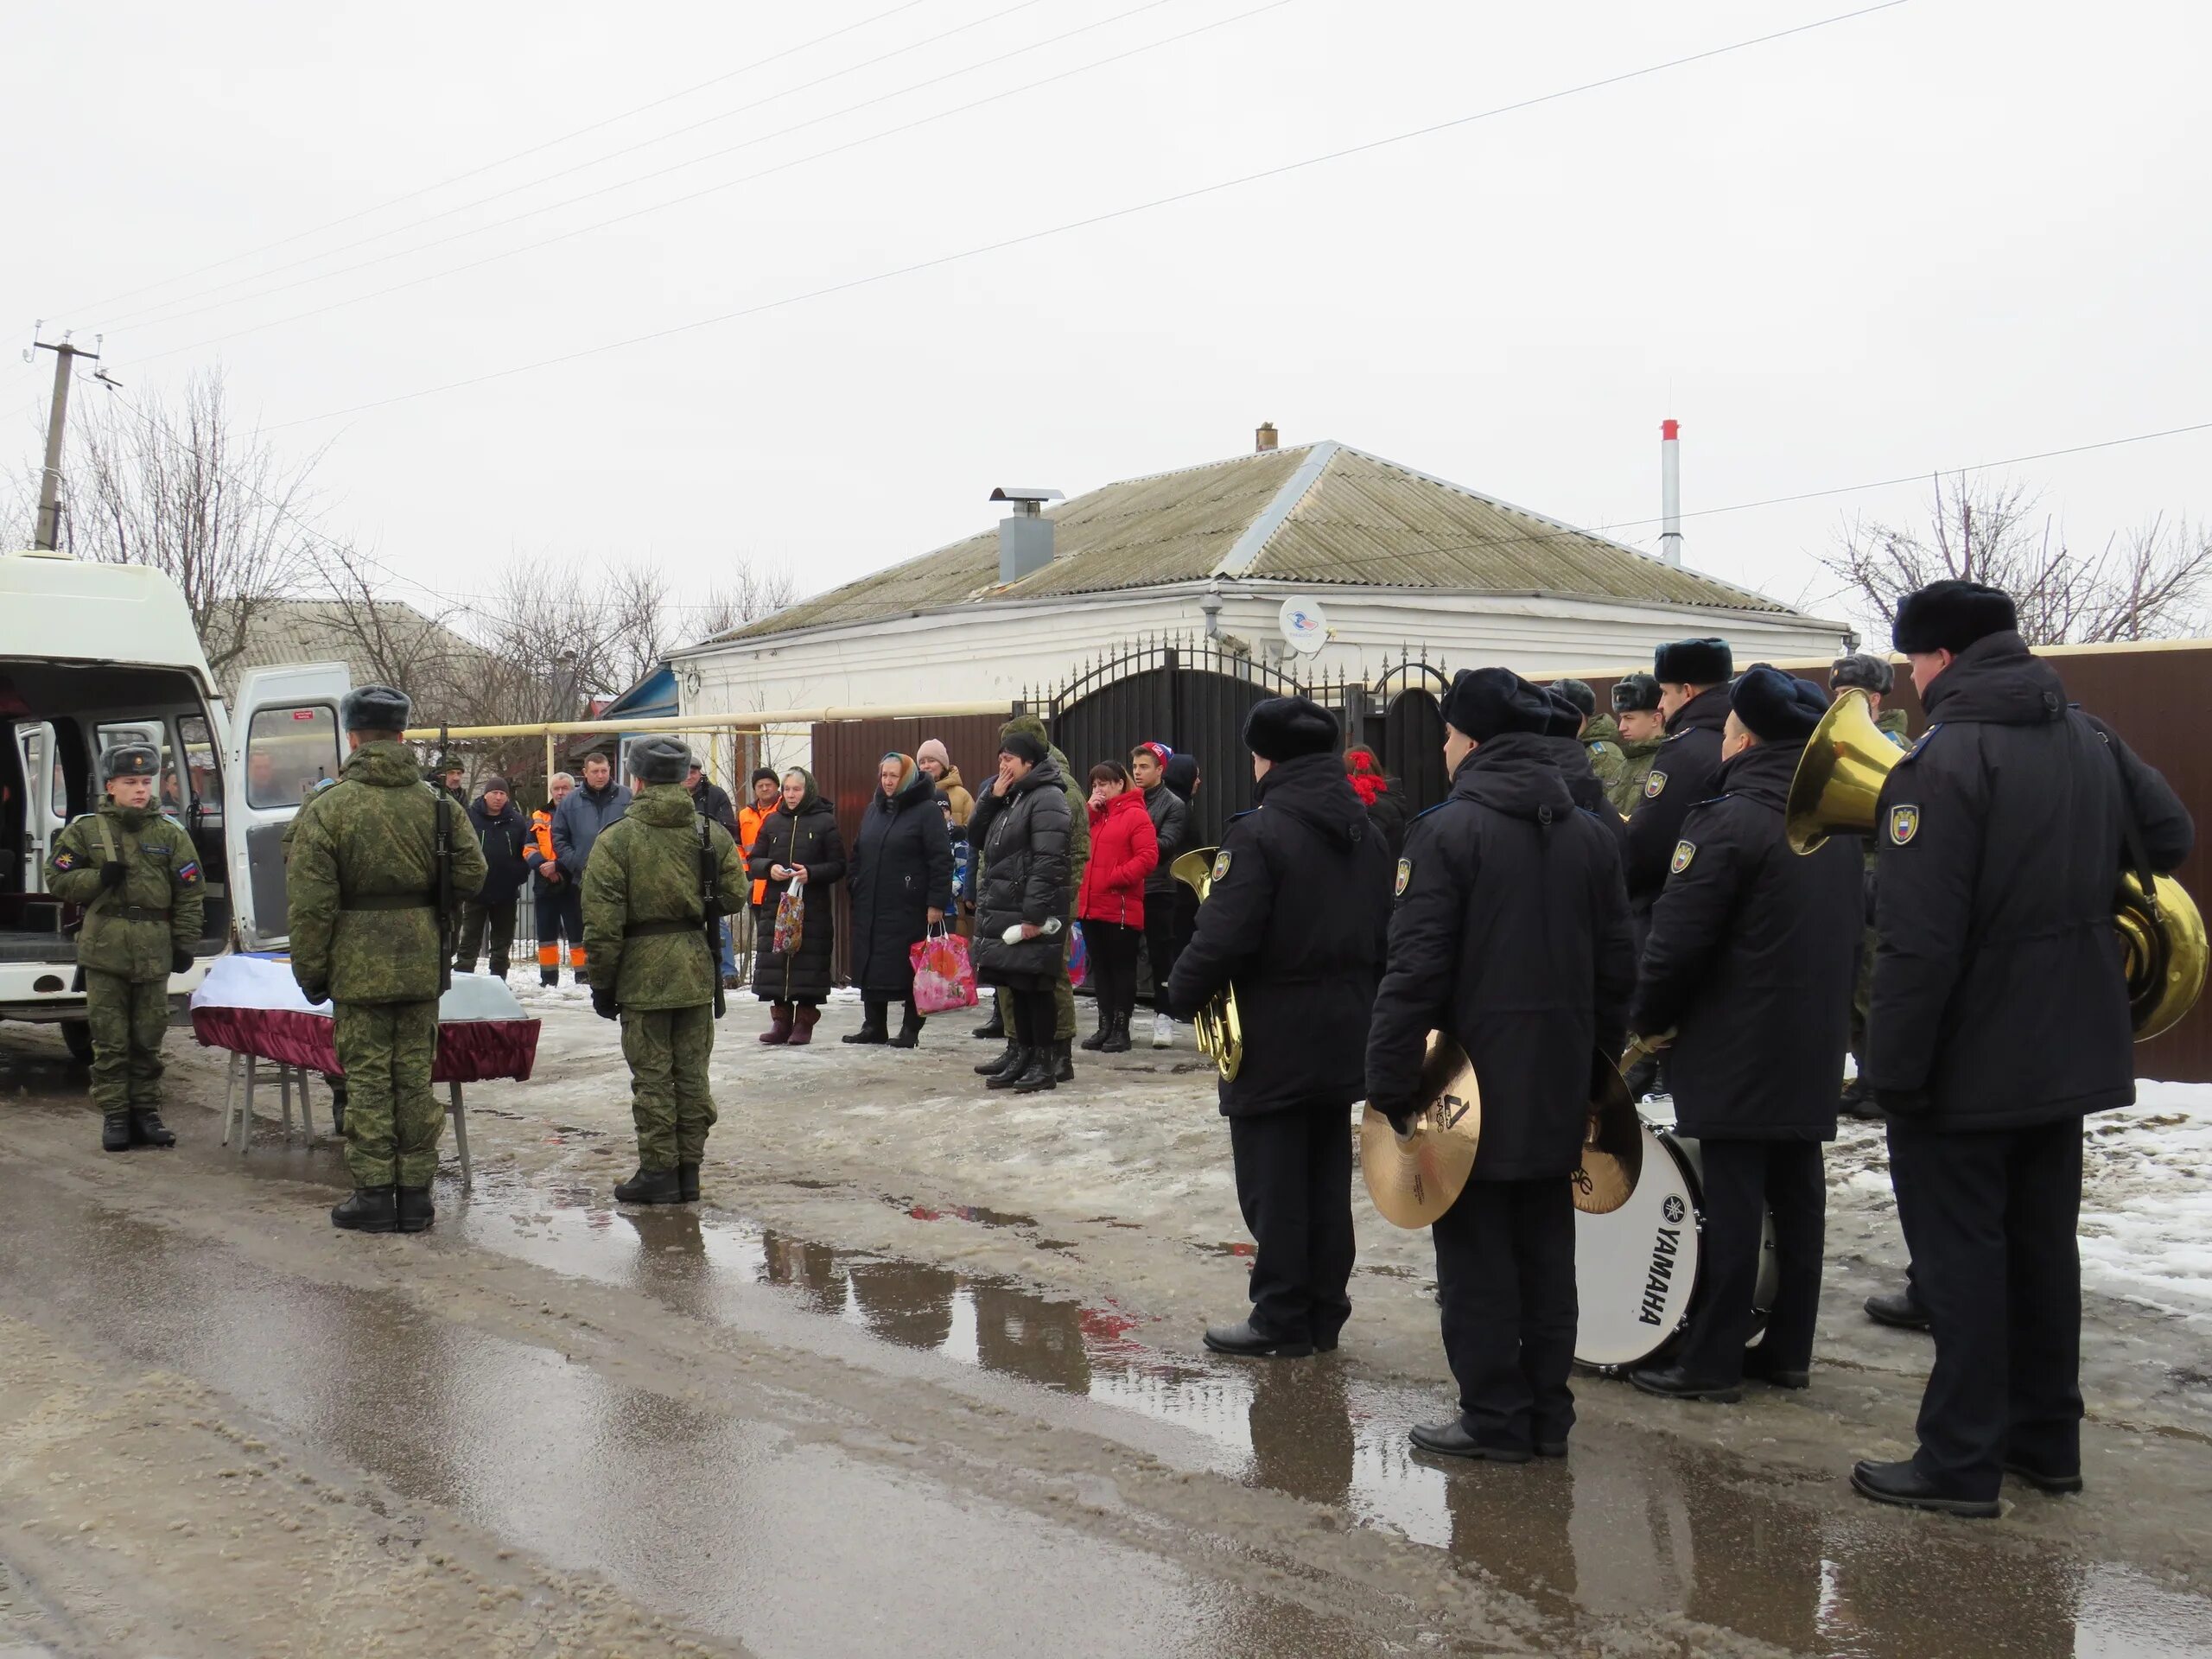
(1022, 820)
(799, 840)
(901, 887)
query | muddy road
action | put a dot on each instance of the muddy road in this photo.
(923, 1376)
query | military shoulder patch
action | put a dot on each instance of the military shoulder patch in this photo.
(1684, 851)
(1221, 864)
(65, 860)
(1653, 783)
(1405, 875)
(1904, 824)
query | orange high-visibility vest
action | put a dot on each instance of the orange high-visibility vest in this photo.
(749, 820)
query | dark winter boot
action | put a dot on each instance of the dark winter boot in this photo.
(549, 977)
(581, 975)
(370, 1210)
(910, 1027)
(1020, 1061)
(499, 967)
(687, 1181)
(1117, 1036)
(1063, 1054)
(115, 1131)
(872, 1024)
(415, 1210)
(999, 1062)
(995, 1027)
(651, 1187)
(780, 1023)
(1097, 1039)
(1039, 1073)
(147, 1129)
(805, 1017)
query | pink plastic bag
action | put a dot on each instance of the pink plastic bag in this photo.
(944, 979)
(1078, 957)
(790, 921)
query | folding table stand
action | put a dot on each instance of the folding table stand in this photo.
(237, 1108)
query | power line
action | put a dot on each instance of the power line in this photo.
(1192, 194)
(520, 155)
(726, 184)
(596, 161)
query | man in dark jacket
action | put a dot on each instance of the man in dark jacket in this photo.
(1597, 734)
(503, 834)
(1294, 923)
(1748, 961)
(1562, 741)
(2000, 1020)
(1025, 826)
(589, 808)
(1511, 935)
(1170, 827)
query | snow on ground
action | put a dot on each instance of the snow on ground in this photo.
(2147, 1200)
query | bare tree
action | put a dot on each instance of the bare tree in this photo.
(747, 593)
(179, 484)
(394, 642)
(2147, 584)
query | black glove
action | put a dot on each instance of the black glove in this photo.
(603, 1003)
(1904, 1102)
(1401, 1118)
(179, 960)
(113, 875)
(315, 993)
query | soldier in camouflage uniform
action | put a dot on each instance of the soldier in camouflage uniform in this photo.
(1639, 729)
(647, 909)
(1600, 736)
(367, 933)
(135, 872)
(1873, 676)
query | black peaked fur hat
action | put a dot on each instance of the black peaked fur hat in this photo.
(1694, 662)
(659, 760)
(1864, 669)
(1566, 714)
(1283, 729)
(1636, 694)
(1778, 707)
(1950, 615)
(374, 708)
(129, 761)
(1578, 693)
(1487, 702)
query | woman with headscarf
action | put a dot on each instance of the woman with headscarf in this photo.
(798, 844)
(1380, 794)
(901, 887)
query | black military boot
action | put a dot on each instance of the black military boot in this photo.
(1097, 1039)
(1117, 1036)
(872, 1024)
(1038, 1074)
(995, 1025)
(687, 1182)
(1019, 1062)
(549, 977)
(1064, 1060)
(115, 1131)
(416, 1210)
(910, 1027)
(651, 1187)
(147, 1129)
(370, 1210)
(1005, 1057)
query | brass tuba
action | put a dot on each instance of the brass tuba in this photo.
(1837, 791)
(1220, 1027)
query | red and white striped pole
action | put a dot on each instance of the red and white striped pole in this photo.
(1670, 491)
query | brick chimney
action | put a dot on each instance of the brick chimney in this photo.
(1263, 441)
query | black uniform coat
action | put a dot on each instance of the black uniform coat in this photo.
(1753, 954)
(1584, 787)
(1170, 827)
(504, 840)
(808, 836)
(902, 866)
(1511, 934)
(1999, 982)
(1296, 923)
(1027, 877)
(1685, 770)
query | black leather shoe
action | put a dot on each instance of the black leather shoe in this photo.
(416, 1210)
(687, 1182)
(2056, 1486)
(1035, 1077)
(1759, 1369)
(1903, 1485)
(115, 1131)
(1006, 1058)
(651, 1187)
(1900, 1310)
(1241, 1339)
(1018, 1062)
(1097, 1040)
(909, 1028)
(1064, 1053)
(1450, 1439)
(993, 1028)
(147, 1129)
(872, 1029)
(370, 1210)
(1673, 1383)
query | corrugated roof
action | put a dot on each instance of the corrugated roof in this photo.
(1357, 520)
(315, 631)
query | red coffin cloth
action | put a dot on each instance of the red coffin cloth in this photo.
(469, 1050)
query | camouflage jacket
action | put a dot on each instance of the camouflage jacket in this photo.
(359, 848)
(644, 870)
(164, 875)
(1626, 789)
(1603, 740)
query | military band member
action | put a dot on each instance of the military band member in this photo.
(1577, 769)
(2000, 1020)
(656, 874)
(1872, 675)
(134, 870)
(1294, 923)
(1693, 676)
(1641, 729)
(1510, 933)
(368, 935)
(1749, 959)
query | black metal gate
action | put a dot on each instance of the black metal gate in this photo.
(1410, 738)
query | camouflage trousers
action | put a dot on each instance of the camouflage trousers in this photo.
(392, 1119)
(667, 1050)
(128, 1022)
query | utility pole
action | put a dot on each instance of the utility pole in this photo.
(50, 484)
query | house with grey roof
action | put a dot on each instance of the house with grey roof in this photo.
(1381, 555)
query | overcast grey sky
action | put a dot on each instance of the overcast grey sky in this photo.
(1936, 234)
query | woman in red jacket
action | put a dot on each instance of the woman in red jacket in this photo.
(1124, 851)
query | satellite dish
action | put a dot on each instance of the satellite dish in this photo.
(1304, 624)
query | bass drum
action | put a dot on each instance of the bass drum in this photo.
(1636, 1269)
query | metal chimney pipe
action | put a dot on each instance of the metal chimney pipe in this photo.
(1670, 491)
(1263, 441)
